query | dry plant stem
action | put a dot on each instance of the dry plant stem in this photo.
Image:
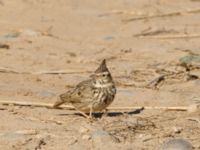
(34, 104)
(194, 119)
(170, 14)
(6, 70)
(39, 104)
(156, 81)
(153, 16)
(60, 72)
(172, 36)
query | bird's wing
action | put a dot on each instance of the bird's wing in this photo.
(83, 92)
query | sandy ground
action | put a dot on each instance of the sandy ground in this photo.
(141, 40)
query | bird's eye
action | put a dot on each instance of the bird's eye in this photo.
(103, 75)
(79, 93)
(94, 91)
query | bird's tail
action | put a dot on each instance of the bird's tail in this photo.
(61, 100)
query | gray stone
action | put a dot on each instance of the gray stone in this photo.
(177, 144)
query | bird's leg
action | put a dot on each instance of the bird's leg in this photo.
(90, 117)
(84, 114)
(105, 113)
(91, 110)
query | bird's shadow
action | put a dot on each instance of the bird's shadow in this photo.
(109, 114)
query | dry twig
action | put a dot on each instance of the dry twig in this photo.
(169, 14)
(156, 81)
(7, 70)
(194, 119)
(39, 104)
(60, 72)
(183, 36)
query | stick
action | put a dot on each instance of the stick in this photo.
(35, 104)
(6, 70)
(153, 16)
(180, 108)
(171, 36)
(39, 104)
(177, 13)
(60, 72)
(156, 81)
(155, 32)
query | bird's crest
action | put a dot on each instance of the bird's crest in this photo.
(102, 67)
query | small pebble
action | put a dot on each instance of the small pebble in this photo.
(6, 46)
(83, 130)
(177, 129)
(86, 137)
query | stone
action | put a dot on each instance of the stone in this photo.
(177, 144)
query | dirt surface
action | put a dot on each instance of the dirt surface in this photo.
(48, 46)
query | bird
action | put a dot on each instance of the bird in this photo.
(92, 95)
